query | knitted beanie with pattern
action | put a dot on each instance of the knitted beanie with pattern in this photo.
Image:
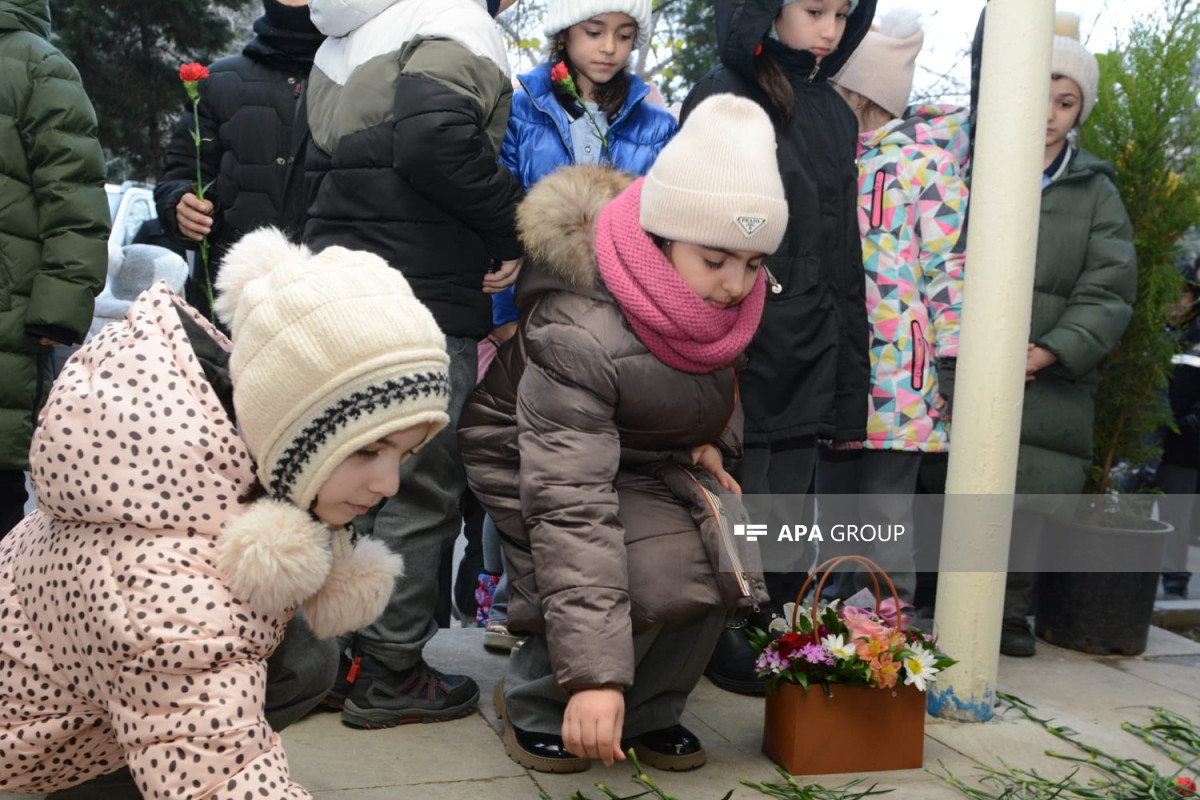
(331, 351)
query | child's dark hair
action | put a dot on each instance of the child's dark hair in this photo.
(610, 97)
(775, 85)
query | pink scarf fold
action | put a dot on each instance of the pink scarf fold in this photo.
(679, 328)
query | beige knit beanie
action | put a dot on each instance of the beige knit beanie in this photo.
(331, 351)
(881, 67)
(562, 14)
(717, 182)
(1071, 59)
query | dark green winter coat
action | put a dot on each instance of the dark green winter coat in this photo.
(1084, 287)
(54, 219)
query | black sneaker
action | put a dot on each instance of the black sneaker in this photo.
(382, 698)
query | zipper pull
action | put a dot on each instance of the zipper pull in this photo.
(813, 75)
(776, 286)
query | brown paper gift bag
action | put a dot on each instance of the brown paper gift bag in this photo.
(850, 728)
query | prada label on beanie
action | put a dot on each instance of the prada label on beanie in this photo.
(717, 182)
(562, 14)
(331, 351)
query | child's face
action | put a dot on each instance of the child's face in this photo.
(813, 25)
(366, 477)
(1066, 103)
(599, 48)
(722, 278)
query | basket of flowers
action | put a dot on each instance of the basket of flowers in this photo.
(841, 677)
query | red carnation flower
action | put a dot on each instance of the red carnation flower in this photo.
(560, 72)
(1185, 786)
(790, 643)
(192, 72)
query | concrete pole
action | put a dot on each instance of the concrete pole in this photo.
(1002, 246)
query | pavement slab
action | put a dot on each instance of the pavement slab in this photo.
(465, 758)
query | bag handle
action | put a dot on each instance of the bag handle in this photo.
(826, 567)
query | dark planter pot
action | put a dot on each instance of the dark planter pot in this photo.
(1101, 612)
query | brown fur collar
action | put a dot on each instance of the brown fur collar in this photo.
(557, 221)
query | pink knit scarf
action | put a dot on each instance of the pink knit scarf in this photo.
(679, 328)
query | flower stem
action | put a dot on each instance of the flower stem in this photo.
(206, 284)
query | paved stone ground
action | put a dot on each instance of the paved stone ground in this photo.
(465, 758)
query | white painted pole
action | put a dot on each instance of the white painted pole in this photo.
(1001, 249)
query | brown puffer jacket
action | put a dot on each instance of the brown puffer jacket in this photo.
(578, 444)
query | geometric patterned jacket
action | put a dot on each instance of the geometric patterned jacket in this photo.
(911, 208)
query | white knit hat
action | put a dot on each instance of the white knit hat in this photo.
(1071, 59)
(717, 182)
(562, 14)
(331, 351)
(881, 67)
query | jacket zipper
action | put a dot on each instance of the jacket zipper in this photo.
(877, 200)
(739, 572)
(918, 356)
(565, 139)
(813, 75)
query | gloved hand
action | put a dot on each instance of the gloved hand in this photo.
(945, 373)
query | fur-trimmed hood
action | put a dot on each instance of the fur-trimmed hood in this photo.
(172, 463)
(557, 226)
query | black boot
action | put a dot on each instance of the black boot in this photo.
(731, 665)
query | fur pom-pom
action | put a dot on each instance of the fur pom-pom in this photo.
(900, 23)
(357, 589)
(1066, 23)
(253, 256)
(275, 556)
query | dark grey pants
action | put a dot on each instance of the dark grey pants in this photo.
(419, 523)
(764, 471)
(1023, 551)
(883, 482)
(1176, 479)
(668, 663)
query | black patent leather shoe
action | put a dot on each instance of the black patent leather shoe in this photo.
(543, 752)
(675, 748)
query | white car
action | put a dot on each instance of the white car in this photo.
(129, 204)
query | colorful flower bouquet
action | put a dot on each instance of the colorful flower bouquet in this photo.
(851, 645)
(873, 670)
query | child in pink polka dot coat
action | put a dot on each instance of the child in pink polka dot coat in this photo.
(179, 528)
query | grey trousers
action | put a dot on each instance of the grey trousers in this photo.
(765, 471)
(668, 663)
(300, 673)
(420, 522)
(1021, 583)
(1176, 479)
(884, 482)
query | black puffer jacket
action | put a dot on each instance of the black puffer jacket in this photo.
(254, 131)
(808, 371)
(408, 108)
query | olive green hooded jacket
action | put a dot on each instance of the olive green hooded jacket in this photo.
(1084, 287)
(54, 218)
